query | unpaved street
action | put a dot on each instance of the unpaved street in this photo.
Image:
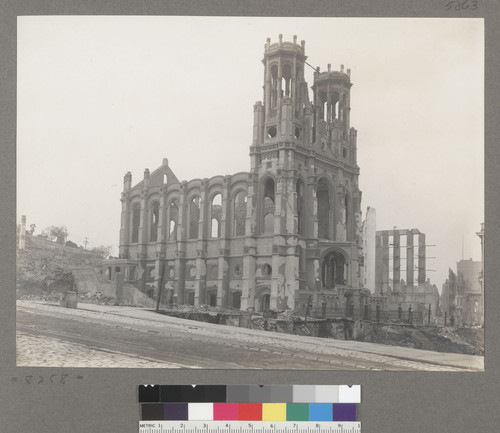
(108, 336)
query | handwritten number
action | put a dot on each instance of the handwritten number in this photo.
(28, 379)
(63, 378)
(461, 5)
(40, 379)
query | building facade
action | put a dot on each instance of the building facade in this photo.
(286, 233)
(369, 248)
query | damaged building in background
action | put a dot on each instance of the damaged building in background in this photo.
(401, 272)
(285, 234)
(463, 291)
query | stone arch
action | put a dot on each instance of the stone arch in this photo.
(154, 220)
(268, 204)
(215, 215)
(325, 208)
(334, 265)
(263, 298)
(239, 212)
(193, 216)
(173, 219)
(286, 80)
(135, 222)
(212, 297)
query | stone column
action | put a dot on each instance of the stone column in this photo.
(22, 234)
(396, 263)
(225, 233)
(180, 257)
(341, 214)
(410, 251)
(249, 250)
(421, 259)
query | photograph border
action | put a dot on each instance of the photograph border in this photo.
(94, 399)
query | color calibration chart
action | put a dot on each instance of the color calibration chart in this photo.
(249, 408)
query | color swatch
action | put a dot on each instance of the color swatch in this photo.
(320, 403)
(249, 411)
(249, 394)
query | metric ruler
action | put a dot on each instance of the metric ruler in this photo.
(249, 427)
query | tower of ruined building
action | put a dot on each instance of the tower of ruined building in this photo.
(303, 196)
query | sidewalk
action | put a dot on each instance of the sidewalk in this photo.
(438, 358)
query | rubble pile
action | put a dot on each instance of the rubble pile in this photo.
(44, 273)
(452, 340)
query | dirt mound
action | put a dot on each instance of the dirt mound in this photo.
(453, 340)
(41, 271)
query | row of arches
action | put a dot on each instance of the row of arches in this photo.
(333, 106)
(281, 84)
(193, 210)
(330, 210)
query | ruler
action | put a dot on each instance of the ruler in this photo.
(249, 427)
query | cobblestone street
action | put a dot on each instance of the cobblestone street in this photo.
(108, 336)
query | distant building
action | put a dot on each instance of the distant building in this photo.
(463, 291)
(481, 275)
(469, 300)
(369, 249)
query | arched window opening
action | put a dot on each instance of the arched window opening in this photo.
(286, 81)
(240, 212)
(165, 178)
(212, 299)
(343, 108)
(334, 270)
(274, 86)
(265, 302)
(194, 217)
(215, 215)
(269, 206)
(173, 217)
(136, 220)
(215, 228)
(323, 200)
(154, 221)
(324, 106)
(300, 206)
(335, 105)
(237, 300)
(267, 269)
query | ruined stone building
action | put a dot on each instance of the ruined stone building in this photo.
(285, 233)
(400, 259)
(401, 272)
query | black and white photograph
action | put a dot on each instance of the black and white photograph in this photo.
(250, 193)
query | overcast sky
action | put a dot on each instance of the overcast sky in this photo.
(100, 96)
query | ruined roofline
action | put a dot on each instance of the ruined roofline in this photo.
(399, 231)
(241, 176)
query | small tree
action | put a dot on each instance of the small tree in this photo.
(57, 234)
(102, 251)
